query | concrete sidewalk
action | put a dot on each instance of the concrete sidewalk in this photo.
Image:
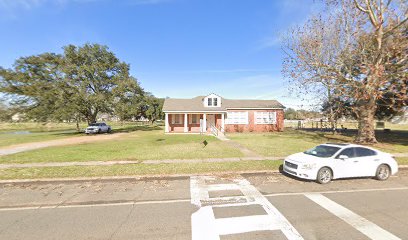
(109, 163)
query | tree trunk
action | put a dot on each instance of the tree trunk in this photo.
(366, 113)
(77, 124)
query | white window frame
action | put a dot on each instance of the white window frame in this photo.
(190, 118)
(237, 118)
(173, 119)
(213, 101)
(210, 100)
(265, 117)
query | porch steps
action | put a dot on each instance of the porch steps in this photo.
(222, 136)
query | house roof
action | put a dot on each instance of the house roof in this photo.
(196, 104)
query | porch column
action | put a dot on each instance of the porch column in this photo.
(222, 122)
(204, 122)
(185, 123)
(166, 122)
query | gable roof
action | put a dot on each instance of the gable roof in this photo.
(196, 104)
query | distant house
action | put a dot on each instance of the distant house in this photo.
(212, 113)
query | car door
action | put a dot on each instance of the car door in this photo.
(104, 127)
(344, 168)
(367, 161)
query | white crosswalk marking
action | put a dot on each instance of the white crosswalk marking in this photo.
(206, 227)
(366, 227)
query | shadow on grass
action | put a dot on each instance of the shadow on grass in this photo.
(390, 137)
(136, 128)
(125, 129)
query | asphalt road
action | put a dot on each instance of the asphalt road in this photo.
(222, 207)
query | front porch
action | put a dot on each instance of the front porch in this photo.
(208, 122)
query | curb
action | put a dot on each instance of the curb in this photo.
(131, 178)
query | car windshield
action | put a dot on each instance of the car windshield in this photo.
(323, 151)
(94, 124)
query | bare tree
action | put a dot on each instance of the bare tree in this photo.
(356, 50)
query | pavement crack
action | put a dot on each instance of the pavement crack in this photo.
(122, 223)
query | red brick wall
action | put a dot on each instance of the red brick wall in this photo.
(252, 127)
(195, 128)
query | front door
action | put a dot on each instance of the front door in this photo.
(210, 121)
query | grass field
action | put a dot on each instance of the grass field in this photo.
(16, 133)
(146, 143)
(292, 141)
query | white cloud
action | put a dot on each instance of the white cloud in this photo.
(268, 42)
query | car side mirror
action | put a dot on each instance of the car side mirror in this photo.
(343, 157)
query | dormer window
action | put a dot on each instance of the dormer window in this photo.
(210, 102)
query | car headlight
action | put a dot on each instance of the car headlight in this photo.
(308, 166)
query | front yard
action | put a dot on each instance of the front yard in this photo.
(145, 144)
(281, 144)
(150, 143)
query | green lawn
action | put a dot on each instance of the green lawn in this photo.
(136, 169)
(144, 144)
(284, 143)
(11, 138)
(16, 133)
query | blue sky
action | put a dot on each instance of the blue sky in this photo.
(176, 48)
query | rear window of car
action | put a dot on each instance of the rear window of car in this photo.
(323, 151)
(364, 152)
(349, 152)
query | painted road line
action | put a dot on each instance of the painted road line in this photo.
(124, 203)
(236, 225)
(366, 227)
(204, 217)
(212, 201)
(337, 191)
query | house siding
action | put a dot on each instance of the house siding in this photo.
(252, 126)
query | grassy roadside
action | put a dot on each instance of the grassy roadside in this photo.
(136, 169)
(143, 169)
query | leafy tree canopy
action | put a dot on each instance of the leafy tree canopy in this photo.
(78, 84)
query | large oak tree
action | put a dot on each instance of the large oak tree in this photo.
(78, 84)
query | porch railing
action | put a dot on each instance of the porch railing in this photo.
(214, 130)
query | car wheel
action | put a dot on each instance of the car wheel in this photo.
(324, 175)
(99, 131)
(109, 130)
(383, 172)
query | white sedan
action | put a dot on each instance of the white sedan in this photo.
(337, 160)
(98, 128)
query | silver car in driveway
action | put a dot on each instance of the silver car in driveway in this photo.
(98, 128)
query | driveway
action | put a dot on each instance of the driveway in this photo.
(59, 142)
(257, 206)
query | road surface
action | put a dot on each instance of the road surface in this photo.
(259, 206)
